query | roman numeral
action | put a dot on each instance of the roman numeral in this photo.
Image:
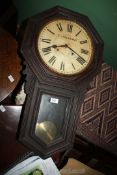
(69, 27)
(78, 33)
(83, 42)
(48, 41)
(62, 67)
(46, 50)
(80, 60)
(84, 51)
(52, 60)
(73, 66)
(60, 27)
(51, 31)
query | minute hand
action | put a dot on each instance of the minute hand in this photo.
(72, 50)
(79, 59)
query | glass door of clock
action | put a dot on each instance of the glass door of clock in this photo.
(50, 120)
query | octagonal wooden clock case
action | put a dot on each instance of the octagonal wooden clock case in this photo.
(62, 53)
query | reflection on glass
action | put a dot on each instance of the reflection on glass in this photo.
(50, 118)
(46, 131)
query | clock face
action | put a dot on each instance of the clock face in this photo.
(65, 47)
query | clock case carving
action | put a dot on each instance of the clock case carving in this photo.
(42, 81)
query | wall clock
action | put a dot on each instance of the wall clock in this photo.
(59, 49)
(62, 52)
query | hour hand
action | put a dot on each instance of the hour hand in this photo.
(47, 50)
(55, 46)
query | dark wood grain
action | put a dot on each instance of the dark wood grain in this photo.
(9, 64)
(10, 149)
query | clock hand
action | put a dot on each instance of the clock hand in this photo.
(55, 46)
(65, 46)
(72, 50)
(79, 58)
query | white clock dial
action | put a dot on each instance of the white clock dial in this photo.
(65, 47)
